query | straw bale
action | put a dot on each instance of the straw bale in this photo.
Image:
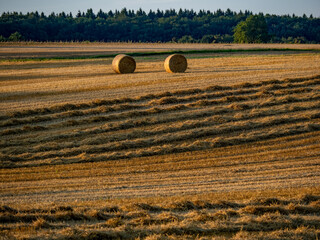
(176, 63)
(123, 64)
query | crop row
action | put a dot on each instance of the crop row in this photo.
(178, 219)
(165, 125)
(186, 95)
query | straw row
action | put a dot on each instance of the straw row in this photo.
(160, 125)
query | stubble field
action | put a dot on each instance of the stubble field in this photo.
(229, 149)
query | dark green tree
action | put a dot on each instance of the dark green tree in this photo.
(183, 25)
(253, 30)
(15, 37)
(186, 39)
(90, 14)
(207, 39)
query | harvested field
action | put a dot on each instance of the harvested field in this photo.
(51, 50)
(229, 149)
(159, 124)
(34, 84)
(268, 218)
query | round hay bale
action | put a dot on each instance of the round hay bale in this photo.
(123, 64)
(175, 63)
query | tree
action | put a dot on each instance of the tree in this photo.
(207, 39)
(90, 14)
(101, 14)
(140, 12)
(15, 37)
(159, 13)
(110, 14)
(124, 12)
(79, 14)
(151, 15)
(186, 39)
(182, 25)
(253, 30)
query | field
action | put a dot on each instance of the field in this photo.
(228, 150)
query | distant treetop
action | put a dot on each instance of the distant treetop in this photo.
(171, 25)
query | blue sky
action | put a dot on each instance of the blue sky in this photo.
(279, 7)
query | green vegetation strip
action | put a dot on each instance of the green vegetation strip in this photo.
(144, 54)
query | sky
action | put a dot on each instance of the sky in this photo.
(278, 7)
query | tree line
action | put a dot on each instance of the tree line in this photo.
(154, 26)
